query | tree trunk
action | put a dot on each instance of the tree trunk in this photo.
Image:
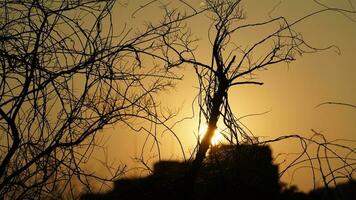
(204, 145)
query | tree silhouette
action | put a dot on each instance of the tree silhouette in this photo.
(232, 64)
(65, 75)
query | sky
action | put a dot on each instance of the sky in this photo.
(290, 93)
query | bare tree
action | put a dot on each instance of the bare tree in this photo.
(234, 64)
(65, 75)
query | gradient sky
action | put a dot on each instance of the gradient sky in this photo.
(290, 92)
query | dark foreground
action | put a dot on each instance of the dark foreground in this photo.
(244, 172)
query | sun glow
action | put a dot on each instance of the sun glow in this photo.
(215, 140)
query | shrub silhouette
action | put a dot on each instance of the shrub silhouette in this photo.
(343, 191)
(237, 172)
(244, 171)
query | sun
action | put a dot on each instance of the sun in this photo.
(215, 140)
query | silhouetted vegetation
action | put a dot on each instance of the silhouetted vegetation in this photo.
(66, 75)
(232, 63)
(241, 172)
(343, 191)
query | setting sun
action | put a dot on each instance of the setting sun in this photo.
(215, 140)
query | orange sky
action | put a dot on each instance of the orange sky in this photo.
(290, 93)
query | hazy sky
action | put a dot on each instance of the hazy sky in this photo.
(290, 92)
